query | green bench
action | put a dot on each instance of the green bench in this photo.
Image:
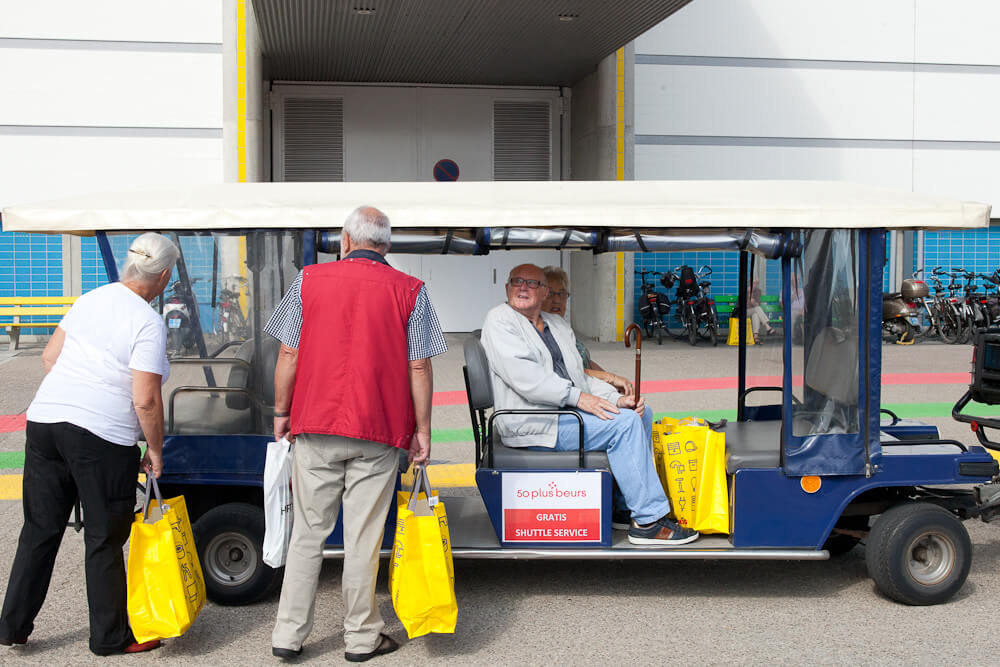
(726, 303)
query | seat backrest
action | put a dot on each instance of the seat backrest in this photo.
(477, 368)
(239, 377)
(826, 371)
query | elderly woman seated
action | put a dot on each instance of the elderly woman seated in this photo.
(555, 303)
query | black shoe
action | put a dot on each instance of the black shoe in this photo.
(386, 645)
(6, 641)
(661, 533)
(621, 519)
(286, 653)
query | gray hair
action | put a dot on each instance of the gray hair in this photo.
(554, 273)
(369, 227)
(149, 255)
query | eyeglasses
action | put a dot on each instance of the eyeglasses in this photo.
(562, 294)
(531, 283)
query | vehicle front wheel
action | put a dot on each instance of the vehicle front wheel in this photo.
(918, 554)
(230, 541)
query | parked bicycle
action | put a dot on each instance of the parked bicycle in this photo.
(231, 324)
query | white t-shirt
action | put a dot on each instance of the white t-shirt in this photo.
(110, 331)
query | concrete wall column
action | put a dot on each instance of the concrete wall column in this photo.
(602, 146)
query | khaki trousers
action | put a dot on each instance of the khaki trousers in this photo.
(325, 469)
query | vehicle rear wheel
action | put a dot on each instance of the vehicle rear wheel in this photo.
(692, 330)
(918, 554)
(230, 541)
(713, 334)
(659, 335)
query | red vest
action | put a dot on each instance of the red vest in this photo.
(352, 377)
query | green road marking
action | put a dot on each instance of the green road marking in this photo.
(11, 460)
(451, 435)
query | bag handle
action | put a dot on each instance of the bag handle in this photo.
(420, 481)
(151, 485)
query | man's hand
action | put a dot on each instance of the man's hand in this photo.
(282, 426)
(152, 463)
(630, 402)
(597, 406)
(420, 448)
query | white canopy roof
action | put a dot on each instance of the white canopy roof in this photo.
(574, 204)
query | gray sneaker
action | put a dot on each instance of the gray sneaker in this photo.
(661, 533)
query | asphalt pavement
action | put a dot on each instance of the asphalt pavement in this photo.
(615, 612)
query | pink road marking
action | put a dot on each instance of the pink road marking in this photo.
(704, 384)
(10, 423)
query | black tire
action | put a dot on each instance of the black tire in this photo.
(713, 334)
(230, 541)
(174, 342)
(649, 329)
(692, 331)
(918, 554)
(659, 335)
(949, 325)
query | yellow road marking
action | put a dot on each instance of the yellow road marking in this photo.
(10, 487)
(449, 475)
(442, 475)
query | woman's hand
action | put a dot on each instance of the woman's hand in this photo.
(152, 463)
(621, 384)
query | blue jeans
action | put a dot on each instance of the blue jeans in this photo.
(627, 438)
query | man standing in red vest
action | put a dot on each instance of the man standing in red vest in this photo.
(352, 386)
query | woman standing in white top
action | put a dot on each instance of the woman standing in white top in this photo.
(104, 367)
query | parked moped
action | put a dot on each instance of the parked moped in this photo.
(177, 316)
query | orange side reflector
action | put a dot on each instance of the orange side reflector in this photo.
(811, 483)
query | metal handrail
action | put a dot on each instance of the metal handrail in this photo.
(499, 413)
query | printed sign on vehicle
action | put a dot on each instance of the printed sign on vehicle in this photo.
(552, 507)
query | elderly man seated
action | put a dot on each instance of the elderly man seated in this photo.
(534, 364)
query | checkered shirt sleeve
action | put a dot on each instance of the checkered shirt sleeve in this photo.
(424, 337)
(286, 321)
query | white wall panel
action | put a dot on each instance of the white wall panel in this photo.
(958, 31)
(964, 173)
(102, 88)
(887, 167)
(774, 102)
(880, 30)
(37, 168)
(380, 134)
(197, 21)
(950, 105)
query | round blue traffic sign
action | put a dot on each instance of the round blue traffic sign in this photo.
(446, 170)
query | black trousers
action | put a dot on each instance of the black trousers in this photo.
(61, 463)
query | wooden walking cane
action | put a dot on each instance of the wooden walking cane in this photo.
(633, 328)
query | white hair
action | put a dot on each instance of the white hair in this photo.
(149, 255)
(369, 227)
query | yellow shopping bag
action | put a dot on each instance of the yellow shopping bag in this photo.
(422, 576)
(690, 461)
(166, 589)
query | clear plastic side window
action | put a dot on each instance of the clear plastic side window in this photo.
(824, 305)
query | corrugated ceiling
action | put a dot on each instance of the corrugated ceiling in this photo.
(481, 42)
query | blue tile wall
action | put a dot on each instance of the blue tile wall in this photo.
(197, 255)
(31, 265)
(725, 272)
(975, 250)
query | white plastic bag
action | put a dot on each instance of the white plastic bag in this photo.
(277, 502)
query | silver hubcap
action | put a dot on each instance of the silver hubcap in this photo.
(230, 559)
(931, 558)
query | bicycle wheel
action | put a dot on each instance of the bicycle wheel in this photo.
(713, 334)
(949, 324)
(692, 329)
